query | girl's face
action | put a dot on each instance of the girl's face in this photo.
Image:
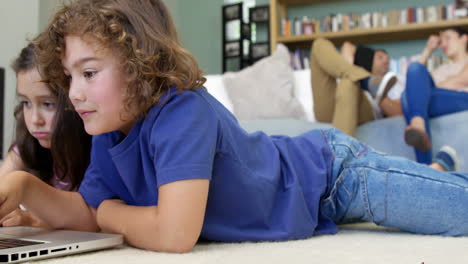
(97, 87)
(452, 44)
(39, 106)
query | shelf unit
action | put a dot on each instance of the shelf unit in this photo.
(233, 49)
(279, 8)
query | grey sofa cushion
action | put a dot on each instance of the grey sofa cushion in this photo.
(385, 135)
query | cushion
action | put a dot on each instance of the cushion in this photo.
(265, 90)
(215, 86)
(303, 92)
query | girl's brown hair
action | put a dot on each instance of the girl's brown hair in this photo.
(68, 156)
(140, 33)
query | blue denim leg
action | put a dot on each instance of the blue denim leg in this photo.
(422, 98)
(366, 185)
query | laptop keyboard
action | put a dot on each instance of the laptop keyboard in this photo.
(12, 243)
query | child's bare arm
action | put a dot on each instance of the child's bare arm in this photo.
(172, 226)
(56, 208)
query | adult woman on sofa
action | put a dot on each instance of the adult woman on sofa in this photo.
(50, 140)
(427, 95)
(343, 103)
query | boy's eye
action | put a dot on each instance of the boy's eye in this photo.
(89, 74)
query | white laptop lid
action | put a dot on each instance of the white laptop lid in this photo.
(18, 244)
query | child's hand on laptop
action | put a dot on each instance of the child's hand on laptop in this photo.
(22, 218)
(11, 191)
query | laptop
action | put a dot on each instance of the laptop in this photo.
(21, 243)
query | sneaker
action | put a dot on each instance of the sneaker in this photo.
(447, 157)
(417, 138)
(388, 81)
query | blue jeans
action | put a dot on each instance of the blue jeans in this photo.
(422, 98)
(366, 185)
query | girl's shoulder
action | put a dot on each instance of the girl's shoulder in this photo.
(12, 162)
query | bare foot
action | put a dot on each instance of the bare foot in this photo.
(416, 136)
(347, 52)
(419, 123)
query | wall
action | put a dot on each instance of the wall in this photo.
(199, 26)
(172, 6)
(47, 9)
(18, 22)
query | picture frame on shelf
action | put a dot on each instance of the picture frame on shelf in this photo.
(232, 49)
(259, 50)
(259, 14)
(232, 30)
(232, 12)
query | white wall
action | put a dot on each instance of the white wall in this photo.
(47, 9)
(18, 23)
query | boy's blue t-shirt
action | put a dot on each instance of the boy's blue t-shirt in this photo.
(261, 187)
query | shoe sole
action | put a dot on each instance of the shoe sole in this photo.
(417, 139)
(454, 155)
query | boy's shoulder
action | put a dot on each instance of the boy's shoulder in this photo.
(181, 99)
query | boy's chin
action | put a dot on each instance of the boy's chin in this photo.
(93, 131)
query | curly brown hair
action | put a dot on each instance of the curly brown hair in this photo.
(140, 33)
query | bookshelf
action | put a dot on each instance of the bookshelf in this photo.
(278, 10)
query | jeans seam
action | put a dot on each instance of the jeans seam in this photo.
(364, 194)
(407, 174)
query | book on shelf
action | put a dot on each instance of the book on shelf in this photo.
(367, 20)
(461, 8)
(300, 59)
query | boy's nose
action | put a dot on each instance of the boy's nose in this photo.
(75, 93)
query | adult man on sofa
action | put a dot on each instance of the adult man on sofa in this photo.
(357, 68)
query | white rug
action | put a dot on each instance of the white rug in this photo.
(357, 243)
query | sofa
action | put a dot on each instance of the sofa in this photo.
(385, 135)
